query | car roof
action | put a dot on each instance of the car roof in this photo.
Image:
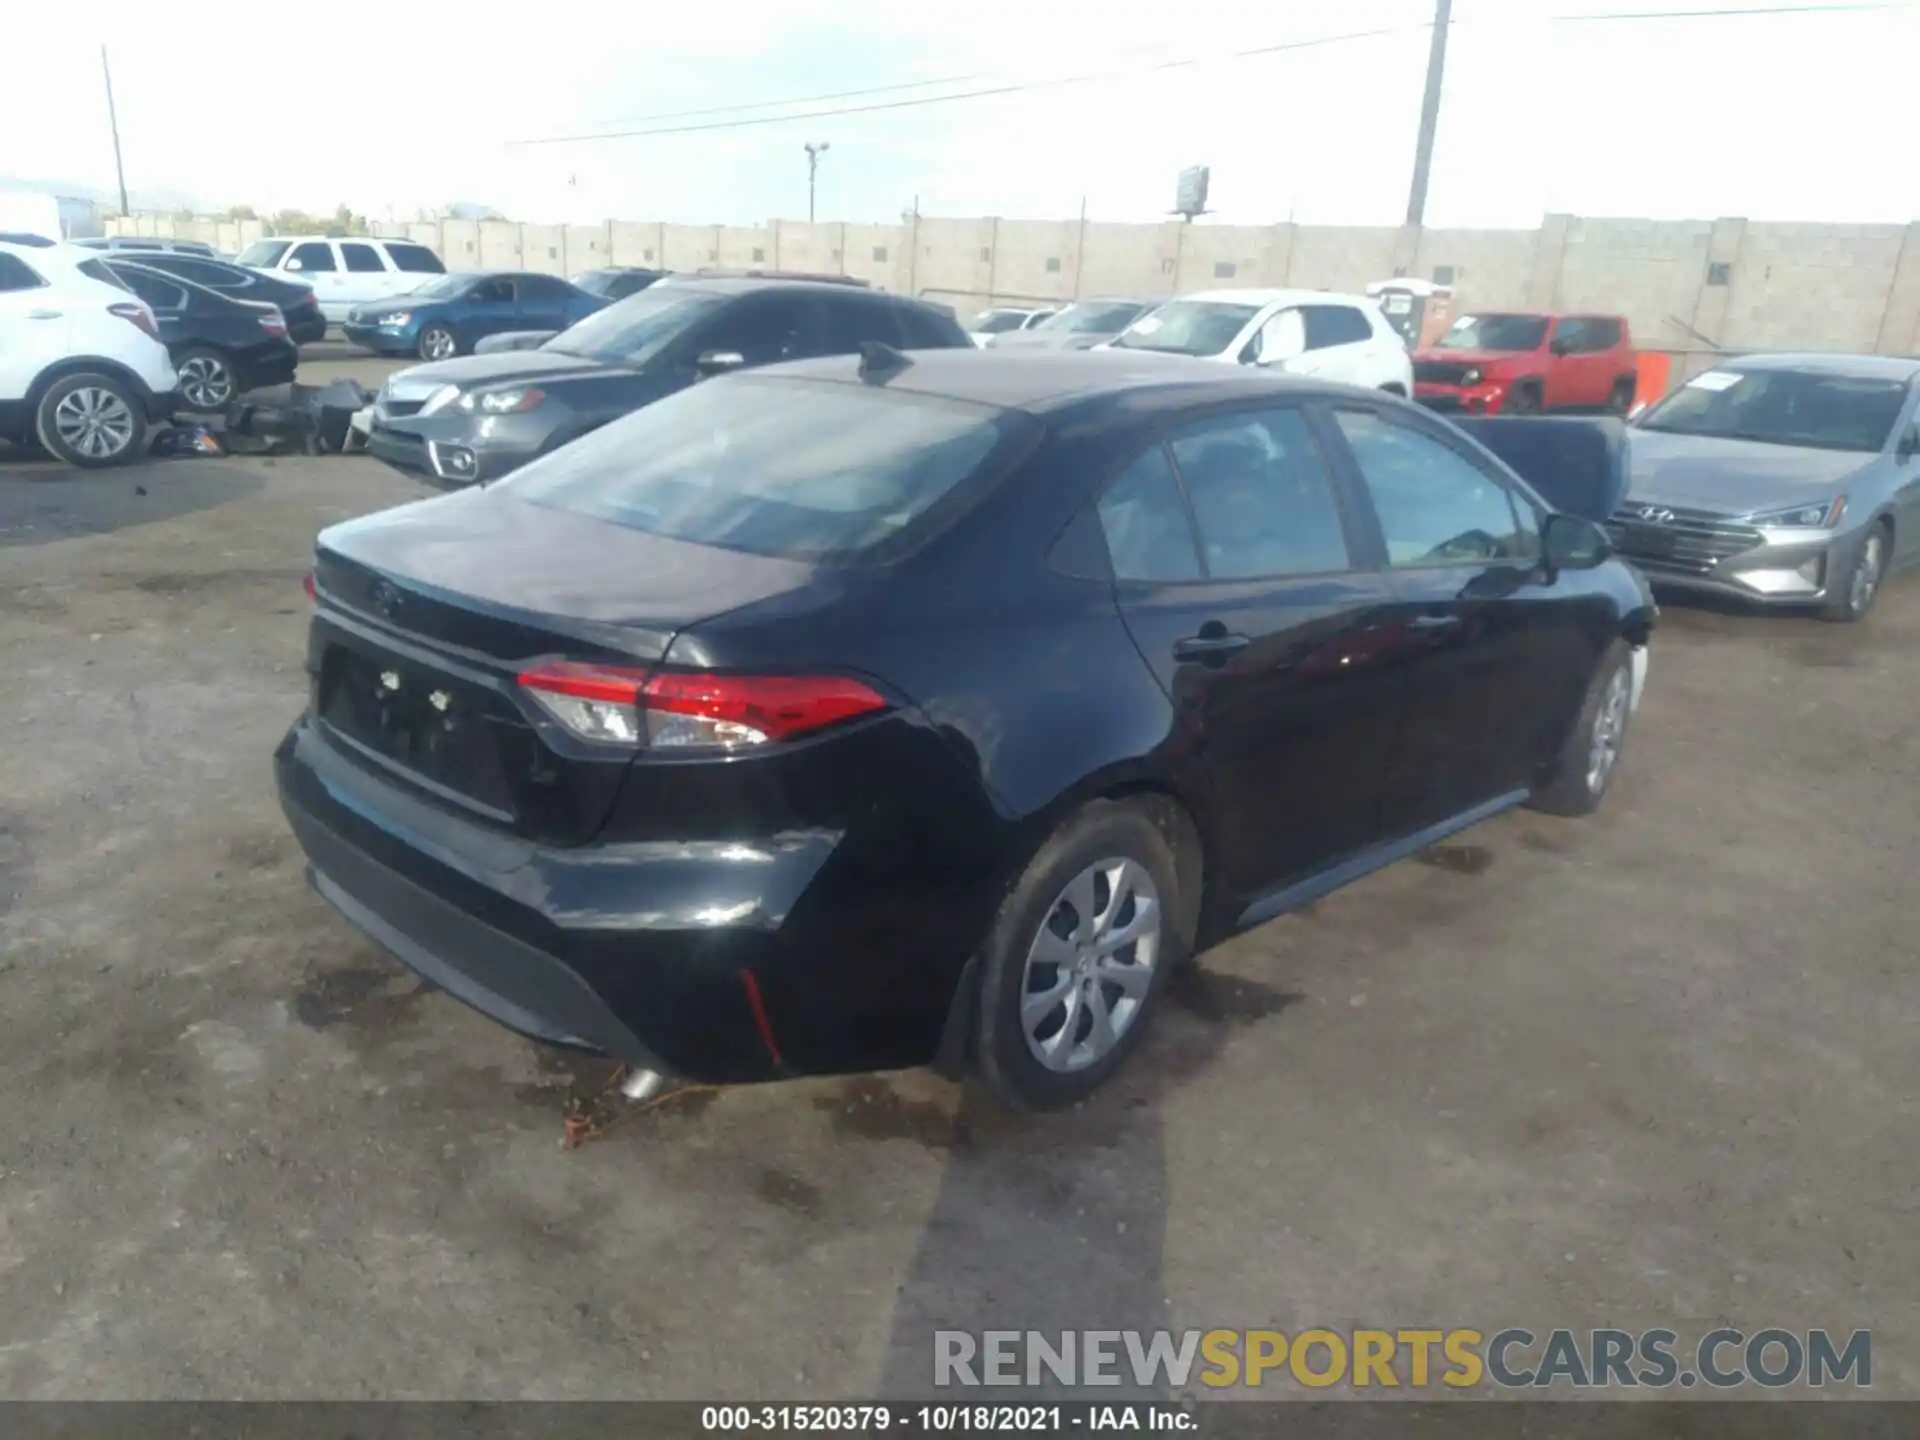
(1264, 298)
(749, 284)
(1044, 381)
(1858, 367)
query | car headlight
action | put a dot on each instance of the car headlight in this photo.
(1472, 376)
(501, 402)
(1821, 516)
(399, 317)
(440, 399)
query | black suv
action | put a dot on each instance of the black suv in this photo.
(477, 418)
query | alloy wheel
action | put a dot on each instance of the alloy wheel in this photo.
(94, 422)
(206, 382)
(438, 345)
(1609, 729)
(1866, 575)
(1090, 966)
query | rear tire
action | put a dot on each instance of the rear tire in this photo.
(1621, 401)
(437, 342)
(1864, 581)
(1062, 1005)
(91, 421)
(1590, 758)
(208, 382)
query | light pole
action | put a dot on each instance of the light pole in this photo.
(113, 123)
(814, 152)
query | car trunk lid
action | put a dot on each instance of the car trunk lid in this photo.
(428, 614)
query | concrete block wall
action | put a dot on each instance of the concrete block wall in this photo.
(1811, 286)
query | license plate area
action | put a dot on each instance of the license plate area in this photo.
(419, 721)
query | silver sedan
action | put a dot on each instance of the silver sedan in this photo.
(1780, 479)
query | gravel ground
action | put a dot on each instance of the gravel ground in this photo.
(1654, 1068)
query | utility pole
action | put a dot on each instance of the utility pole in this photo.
(814, 152)
(1429, 112)
(113, 122)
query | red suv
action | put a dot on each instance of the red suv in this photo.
(1523, 364)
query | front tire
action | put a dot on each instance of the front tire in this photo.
(207, 380)
(1522, 400)
(437, 342)
(1861, 587)
(1079, 955)
(1584, 770)
(91, 421)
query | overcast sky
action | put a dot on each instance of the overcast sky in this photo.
(403, 105)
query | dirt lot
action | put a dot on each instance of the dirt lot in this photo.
(1656, 1068)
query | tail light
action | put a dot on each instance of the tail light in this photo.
(138, 315)
(274, 324)
(683, 710)
(313, 590)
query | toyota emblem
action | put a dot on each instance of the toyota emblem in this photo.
(1656, 515)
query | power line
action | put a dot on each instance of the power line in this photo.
(645, 126)
(1010, 88)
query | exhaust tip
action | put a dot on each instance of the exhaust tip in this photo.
(643, 1084)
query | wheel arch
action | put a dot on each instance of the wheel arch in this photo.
(81, 365)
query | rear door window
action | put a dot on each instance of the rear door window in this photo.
(16, 274)
(1262, 496)
(1331, 325)
(362, 259)
(415, 259)
(779, 467)
(923, 329)
(313, 255)
(160, 293)
(1144, 517)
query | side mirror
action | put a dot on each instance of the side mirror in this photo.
(1560, 347)
(295, 265)
(1572, 542)
(718, 362)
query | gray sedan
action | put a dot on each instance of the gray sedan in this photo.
(1780, 479)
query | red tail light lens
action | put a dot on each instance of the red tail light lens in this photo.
(680, 710)
(313, 591)
(274, 324)
(138, 315)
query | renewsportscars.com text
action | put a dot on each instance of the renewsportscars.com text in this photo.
(1722, 1359)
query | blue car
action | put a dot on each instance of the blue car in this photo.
(450, 314)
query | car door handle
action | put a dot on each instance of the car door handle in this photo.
(1434, 623)
(45, 314)
(1209, 647)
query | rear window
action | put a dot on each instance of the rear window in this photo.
(415, 259)
(782, 468)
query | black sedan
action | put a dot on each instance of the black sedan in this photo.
(221, 347)
(474, 419)
(861, 714)
(305, 323)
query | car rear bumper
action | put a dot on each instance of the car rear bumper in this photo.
(273, 364)
(670, 956)
(306, 327)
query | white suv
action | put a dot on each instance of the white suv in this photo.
(1299, 332)
(344, 270)
(82, 369)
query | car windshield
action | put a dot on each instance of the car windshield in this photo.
(1816, 410)
(263, 253)
(1093, 317)
(774, 467)
(443, 287)
(1189, 327)
(634, 330)
(1494, 332)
